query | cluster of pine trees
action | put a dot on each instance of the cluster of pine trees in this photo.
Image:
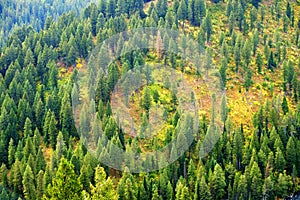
(42, 157)
(16, 14)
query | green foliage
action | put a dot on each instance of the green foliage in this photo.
(104, 188)
(218, 183)
(65, 184)
(28, 184)
(252, 160)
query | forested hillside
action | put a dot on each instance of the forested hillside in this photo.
(14, 14)
(253, 47)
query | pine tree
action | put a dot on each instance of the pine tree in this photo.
(111, 7)
(146, 101)
(162, 8)
(28, 149)
(121, 7)
(256, 182)
(279, 162)
(40, 187)
(29, 184)
(242, 187)
(240, 16)
(268, 188)
(71, 57)
(52, 132)
(199, 11)
(253, 17)
(218, 183)
(53, 75)
(182, 191)
(129, 192)
(223, 74)
(28, 128)
(66, 118)
(126, 186)
(284, 106)
(286, 22)
(60, 149)
(182, 12)
(283, 185)
(11, 152)
(16, 177)
(271, 62)
(4, 194)
(247, 52)
(202, 191)
(237, 56)
(84, 178)
(47, 177)
(40, 161)
(255, 3)
(207, 26)
(248, 79)
(224, 110)
(155, 195)
(170, 194)
(259, 62)
(290, 154)
(39, 114)
(231, 22)
(3, 175)
(65, 184)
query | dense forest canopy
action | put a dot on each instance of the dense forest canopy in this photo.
(253, 46)
(16, 13)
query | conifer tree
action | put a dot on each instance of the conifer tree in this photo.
(28, 184)
(284, 106)
(65, 184)
(290, 154)
(218, 183)
(40, 187)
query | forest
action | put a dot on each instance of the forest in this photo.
(54, 145)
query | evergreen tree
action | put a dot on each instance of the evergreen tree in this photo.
(284, 106)
(268, 188)
(71, 57)
(231, 22)
(248, 79)
(84, 177)
(3, 175)
(271, 62)
(29, 184)
(279, 162)
(182, 12)
(290, 154)
(146, 101)
(40, 160)
(111, 7)
(182, 191)
(247, 52)
(259, 62)
(4, 194)
(207, 26)
(40, 187)
(218, 183)
(223, 73)
(16, 175)
(202, 191)
(224, 109)
(283, 185)
(11, 152)
(256, 182)
(65, 184)
(52, 132)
